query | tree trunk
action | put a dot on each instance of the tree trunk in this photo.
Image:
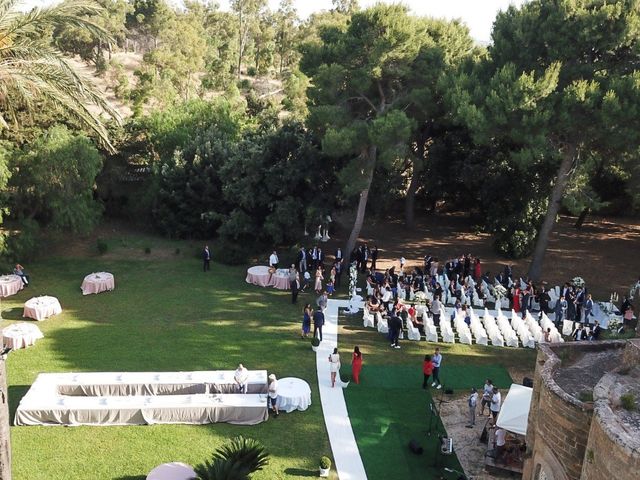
(581, 218)
(362, 203)
(410, 198)
(5, 442)
(562, 179)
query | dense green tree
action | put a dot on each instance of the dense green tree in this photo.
(248, 13)
(222, 50)
(286, 19)
(295, 87)
(361, 81)
(53, 181)
(561, 84)
(150, 17)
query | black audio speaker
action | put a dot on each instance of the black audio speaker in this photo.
(527, 382)
(415, 447)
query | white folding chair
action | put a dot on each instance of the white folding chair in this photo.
(368, 319)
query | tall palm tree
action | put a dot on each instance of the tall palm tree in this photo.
(236, 460)
(34, 73)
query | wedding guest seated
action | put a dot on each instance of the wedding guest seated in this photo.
(19, 270)
(627, 318)
(467, 316)
(579, 333)
(241, 377)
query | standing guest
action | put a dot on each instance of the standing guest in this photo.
(322, 300)
(306, 320)
(302, 260)
(318, 284)
(395, 325)
(487, 393)
(374, 258)
(206, 259)
(543, 300)
(626, 305)
(579, 301)
(318, 322)
(273, 393)
(332, 275)
(306, 280)
(501, 440)
(595, 333)
(19, 271)
(526, 298)
(436, 308)
(338, 267)
(437, 361)
(334, 366)
(496, 401)
(338, 255)
(627, 318)
(364, 255)
(570, 297)
(561, 310)
(320, 259)
(294, 279)
(427, 370)
(241, 377)
(588, 309)
(472, 402)
(477, 270)
(516, 297)
(356, 364)
(402, 262)
(273, 260)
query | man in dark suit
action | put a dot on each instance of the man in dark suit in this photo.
(318, 322)
(206, 259)
(579, 301)
(595, 333)
(395, 325)
(374, 258)
(320, 260)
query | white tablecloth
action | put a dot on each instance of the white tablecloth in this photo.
(172, 471)
(97, 283)
(10, 285)
(259, 275)
(293, 394)
(40, 308)
(20, 335)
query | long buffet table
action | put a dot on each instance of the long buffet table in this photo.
(90, 402)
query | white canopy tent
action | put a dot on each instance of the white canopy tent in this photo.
(514, 413)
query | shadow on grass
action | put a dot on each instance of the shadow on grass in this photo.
(301, 472)
(14, 313)
(16, 392)
(131, 477)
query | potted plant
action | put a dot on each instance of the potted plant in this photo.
(315, 343)
(325, 466)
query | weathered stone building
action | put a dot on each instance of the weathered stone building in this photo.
(578, 428)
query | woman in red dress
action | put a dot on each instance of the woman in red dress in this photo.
(516, 299)
(477, 270)
(356, 364)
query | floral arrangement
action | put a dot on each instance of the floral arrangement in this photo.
(353, 278)
(420, 297)
(499, 291)
(578, 282)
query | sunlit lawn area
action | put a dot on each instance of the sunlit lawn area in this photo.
(165, 315)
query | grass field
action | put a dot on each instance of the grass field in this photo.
(165, 315)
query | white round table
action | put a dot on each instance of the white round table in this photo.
(10, 285)
(258, 275)
(40, 308)
(20, 335)
(97, 283)
(293, 394)
(172, 471)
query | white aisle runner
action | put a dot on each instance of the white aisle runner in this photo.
(343, 443)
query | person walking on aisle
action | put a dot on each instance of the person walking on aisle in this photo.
(437, 361)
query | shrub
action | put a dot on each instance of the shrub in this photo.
(315, 342)
(24, 245)
(251, 71)
(102, 246)
(230, 253)
(244, 84)
(628, 401)
(325, 462)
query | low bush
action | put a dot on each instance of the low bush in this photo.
(102, 246)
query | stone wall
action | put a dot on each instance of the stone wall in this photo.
(613, 451)
(631, 356)
(559, 424)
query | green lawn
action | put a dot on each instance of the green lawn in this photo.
(165, 315)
